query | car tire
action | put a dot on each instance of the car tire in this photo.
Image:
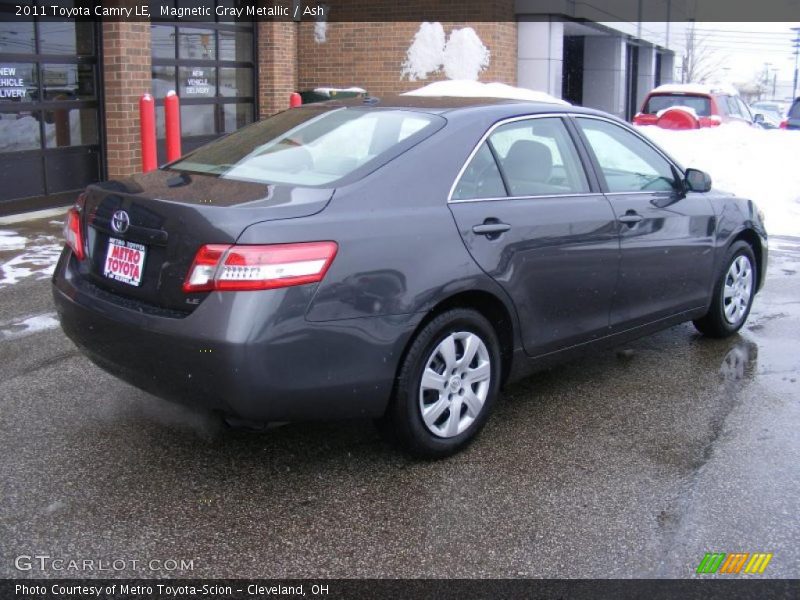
(422, 415)
(733, 293)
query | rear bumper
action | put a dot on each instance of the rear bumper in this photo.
(247, 354)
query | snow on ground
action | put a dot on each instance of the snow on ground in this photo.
(754, 163)
(26, 326)
(10, 240)
(22, 257)
(476, 89)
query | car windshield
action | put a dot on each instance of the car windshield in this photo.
(311, 146)
(700, 104)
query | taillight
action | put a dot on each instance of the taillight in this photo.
(785, 124)
(228, 268)
(201, 275)
(73, 235)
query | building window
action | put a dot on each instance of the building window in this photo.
(49, 107)
(212, 68)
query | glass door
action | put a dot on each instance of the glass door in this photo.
(49, 108)
(211, 65)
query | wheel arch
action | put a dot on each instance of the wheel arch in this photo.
(487, 304)
(751, 238)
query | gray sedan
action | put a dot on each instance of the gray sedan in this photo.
(399, 259)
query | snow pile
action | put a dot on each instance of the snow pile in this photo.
(475, 89)
(320, 32)
(424, 56)
(321, 26)
(754, 163)
(462, 56)
(465, 56)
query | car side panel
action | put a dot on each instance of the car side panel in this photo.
(396, 218)
(558, 262)
(667, 258)
(734, 217)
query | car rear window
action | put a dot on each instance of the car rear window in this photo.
(310, 146)
(700, 104)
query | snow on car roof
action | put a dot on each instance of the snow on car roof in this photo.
(696, 88)
(476, 89)
(328, 90)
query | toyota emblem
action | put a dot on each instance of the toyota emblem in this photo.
(120, 221)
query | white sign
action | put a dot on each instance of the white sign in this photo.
(11, 86)
(197, 84)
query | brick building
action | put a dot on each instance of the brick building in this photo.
(69, 90)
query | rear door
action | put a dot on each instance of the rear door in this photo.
(535, 222)
(666, 237)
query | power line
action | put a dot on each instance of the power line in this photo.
(788, 31)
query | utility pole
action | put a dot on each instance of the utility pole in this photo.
(765, 81)
(796, 54)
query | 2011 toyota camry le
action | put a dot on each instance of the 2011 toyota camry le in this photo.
(398, 258)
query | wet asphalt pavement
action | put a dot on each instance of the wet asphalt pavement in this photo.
(626, 463)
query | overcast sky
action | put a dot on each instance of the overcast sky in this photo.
(745, 47)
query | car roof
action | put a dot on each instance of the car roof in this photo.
(456, 104)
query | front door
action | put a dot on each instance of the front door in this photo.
(529, 218)
(666, 237)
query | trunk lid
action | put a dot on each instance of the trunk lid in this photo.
(169, 216)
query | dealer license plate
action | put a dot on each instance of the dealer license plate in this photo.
(124, 261)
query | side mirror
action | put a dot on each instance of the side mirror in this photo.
(697, 180)
(758, 118)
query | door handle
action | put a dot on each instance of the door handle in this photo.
(630, 218)
(491, 228)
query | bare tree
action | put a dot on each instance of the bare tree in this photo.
(700, 62)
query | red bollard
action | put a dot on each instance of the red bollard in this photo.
(172, 116)
(295, 100)
(147, 132)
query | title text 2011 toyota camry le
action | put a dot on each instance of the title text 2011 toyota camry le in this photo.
(398, 259)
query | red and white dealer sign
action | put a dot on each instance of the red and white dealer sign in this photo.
(124, 261)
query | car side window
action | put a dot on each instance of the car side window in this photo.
(627, 162)
(744, 109)
(481, 178)
(733, 107)
(537, 158)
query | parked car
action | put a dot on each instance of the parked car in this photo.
(774, 108)
(765, 119)
(322, 94)
(792, 120)
(691, 106)
(400, 258)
